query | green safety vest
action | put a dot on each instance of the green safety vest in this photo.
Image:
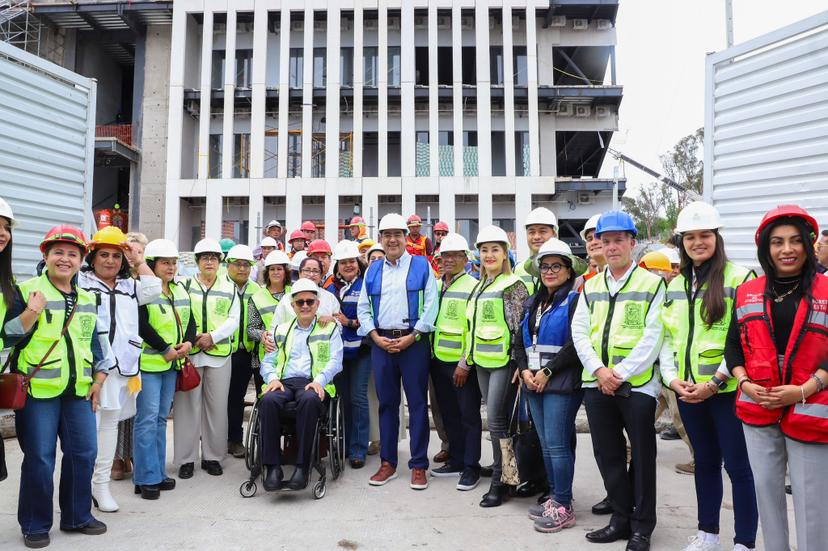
(451, 325)
(617, 322)
(210, 309)
(694, 343)
(489, 341)
(319, 345)
(243, 341)
(266, 305)
(527, 278)
(162, 319)
(74, 350)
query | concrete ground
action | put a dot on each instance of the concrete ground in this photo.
(206, 512)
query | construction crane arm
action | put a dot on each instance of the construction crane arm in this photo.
(660, 177)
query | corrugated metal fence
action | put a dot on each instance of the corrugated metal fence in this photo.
(47, 141)
(766, 129)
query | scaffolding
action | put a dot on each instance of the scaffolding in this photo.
(18, 26)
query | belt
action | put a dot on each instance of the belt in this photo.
(394, 333)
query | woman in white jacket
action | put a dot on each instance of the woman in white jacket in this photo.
(107, 274)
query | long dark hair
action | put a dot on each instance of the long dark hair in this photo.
(542, 295)
(6, 275)
(285, 268)
(713, 306)
(123, 272)
(339, 282)
(809, 270)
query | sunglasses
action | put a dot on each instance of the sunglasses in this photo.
(302, 302)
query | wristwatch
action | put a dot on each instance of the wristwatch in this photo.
(720, 384)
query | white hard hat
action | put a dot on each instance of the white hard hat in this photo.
(698, 215)
(240, 252)
(454, 242)
(591, 224)
(303, 285)
(269, 242)
(207, 245)
(542, 215)
(375, 247)
(393, 221)
(273, 223)
(492, 234)
(345, 250)
(276, 257)
(297, 259)
(672, 254)
(160, 248)
(6, 212)
(555, 246)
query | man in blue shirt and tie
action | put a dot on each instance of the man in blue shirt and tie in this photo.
(396, 309)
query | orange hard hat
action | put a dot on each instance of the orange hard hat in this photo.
(319, 246)
(307, 225)
(787, 211)
(357, 221)
(64, 234)
(441, 226)
(414, 220)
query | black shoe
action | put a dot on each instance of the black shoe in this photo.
(212, 468)
(447, 470)
(468, 480)
(603, 507)
(36, 541)
(186, 471)
(236, 449)
(93, 528)
(638, 542)
(530, 489)
(299, 480)
(149, 492)
(543, 498)
(670, 434)
(167, 484)
(357, 463)
(487, 471)
(609, 534)
(494, 497)
(273, 478)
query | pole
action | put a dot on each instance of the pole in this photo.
(729, 22)
(615, 187)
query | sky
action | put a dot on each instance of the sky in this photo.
(661, 50)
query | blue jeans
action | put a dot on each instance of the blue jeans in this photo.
(554, 418)
(353, 388)
(150, 432)
(39, 425)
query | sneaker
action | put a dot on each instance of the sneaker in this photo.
(468, 480)
(236, 449)
(385, 474)
(697, 543)
(555, 519)
(373, 448)
(36, 541)
(446, 471)
(419, 480)
(686, 468)
(537, 511)
(670, 434)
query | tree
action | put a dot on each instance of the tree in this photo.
(648, 207)
(683, 165)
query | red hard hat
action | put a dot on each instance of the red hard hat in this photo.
(441, 226)
(307, 225)
(787, 211)
(414, 220)
(357, 221)
(319, 246)
(64, 234)
(296, 234)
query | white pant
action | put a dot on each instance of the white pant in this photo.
(201, 414)
(107, 421)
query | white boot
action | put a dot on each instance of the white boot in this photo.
(103, 499)
(107, 443)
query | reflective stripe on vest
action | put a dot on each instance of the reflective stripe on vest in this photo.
(241, 340)
(318, 346)
(489, 341)
(266, 306)
(417, 248)
(451, 325)
(161, 318)
(527, 278)
(210, 309)
(351, 341)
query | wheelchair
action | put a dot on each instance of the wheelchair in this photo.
(327, 450)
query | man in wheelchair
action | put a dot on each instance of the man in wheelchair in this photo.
(301, 370)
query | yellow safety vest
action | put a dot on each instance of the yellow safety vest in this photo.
(527, 278)
(242, 341)
(266, 305)
(162, 319)
(319, 346)
(489, 341)
(451, 325)
(210, 309)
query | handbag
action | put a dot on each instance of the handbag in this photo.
(14, 387)
(188, 377)
(522, 457)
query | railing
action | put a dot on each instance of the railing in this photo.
(121, 132)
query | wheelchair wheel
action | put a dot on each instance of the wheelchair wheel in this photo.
(319, 489)
(251, 443)
(248, 488)
(336, 440)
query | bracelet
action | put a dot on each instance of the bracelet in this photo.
(742, 380)
(33, 310)
(802, 390)
(820, 383)
(714, 386)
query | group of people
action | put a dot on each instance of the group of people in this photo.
(107, 328)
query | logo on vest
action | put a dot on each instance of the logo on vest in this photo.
(633, 316)
(488, 311)
(324, 351)
(451, 310)
(223, 306)
(87, 324)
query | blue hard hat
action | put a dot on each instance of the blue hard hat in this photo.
(615, 220)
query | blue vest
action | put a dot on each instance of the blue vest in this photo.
(415, 283)
(554, 331)
(350, 340)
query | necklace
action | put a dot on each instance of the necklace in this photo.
(780, 298)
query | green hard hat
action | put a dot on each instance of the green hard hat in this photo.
(226, 244)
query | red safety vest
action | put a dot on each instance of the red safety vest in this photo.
(807, 349)
(416, 248)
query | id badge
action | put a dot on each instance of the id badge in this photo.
(534, 360)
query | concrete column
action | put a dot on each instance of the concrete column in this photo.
(446, 188)
(532, 90)
(161, 137)
(212, 213)
(382, 91)
(457, 81)
(307, 94)
(257, 113)
(332, 123)
(407, 119)
(508, 89)
(484, 114)
(370, 206)
(284, 95)
(255, 213)
(523, 205)
(359, 80)
(227, 141)
(204, 111)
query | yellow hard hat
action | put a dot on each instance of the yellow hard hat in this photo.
(110, 235)
(656, 261)
(365, 245)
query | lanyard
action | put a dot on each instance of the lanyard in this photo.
(538, 316)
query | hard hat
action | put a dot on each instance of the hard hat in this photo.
(270, 242)
(307, 225)
(295, 234)
(454, 242)
(542, 215)
(392, 221)
(241, 252)
(6, 212)
(615, 220)
(698, 215)
(441, 226)
(276, 257)
(273, 224)
(345, 250)
(110, 235)
(160, 248)
(788, 211)
(357, 221)
(226, 244)
(672, 254)
(303, 285)
(591, 224)
(374, 247)
(207, 245)
(64, 234)
(656, 260)
(414, 220)
(365, 245)
(319, 246)
(297, 260)
(492, 234)
(556, 247)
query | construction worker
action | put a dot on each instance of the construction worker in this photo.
(297, 242)
(321, 250)
(7, 223)
(267, 246)
(226, 244)
(396, 309)
(309, 229)
(440, 231)
(239, 262)
(417, 244)
(675, 261)
(541, 226)
(593, 247)
(201, 413)
(697, 317)
(357, 229)
(617, 332)
(657, 263)
(457, 390)
(274, 231)
(374, 252)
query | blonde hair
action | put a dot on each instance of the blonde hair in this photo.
(506, 266)
(137, 237)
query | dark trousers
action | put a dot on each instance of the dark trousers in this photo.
(39, 425)
(412, 366)
(239, 380)
(308, 409)
(716, 434)
(633, 498)
(460, 408)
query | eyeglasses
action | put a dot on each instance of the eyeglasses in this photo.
(241, 264)
(212, 257)
(310, 271)
(554, 268)
(302, 302)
